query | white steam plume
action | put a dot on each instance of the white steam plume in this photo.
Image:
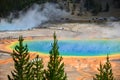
(34, 17)
(114, 24)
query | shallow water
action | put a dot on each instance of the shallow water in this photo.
(78, 47)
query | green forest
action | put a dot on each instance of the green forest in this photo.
(14, 6)
(8, 6)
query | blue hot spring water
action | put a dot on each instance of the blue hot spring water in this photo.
(77, 47)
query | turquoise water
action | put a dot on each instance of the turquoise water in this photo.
(78, 47)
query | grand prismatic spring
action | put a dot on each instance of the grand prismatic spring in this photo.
(84, 41)
(77, 47)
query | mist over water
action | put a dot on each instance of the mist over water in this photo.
(34, 16)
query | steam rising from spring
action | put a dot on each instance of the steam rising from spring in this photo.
(34, 17)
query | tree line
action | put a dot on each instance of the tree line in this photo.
(13, 6)
(26, 69)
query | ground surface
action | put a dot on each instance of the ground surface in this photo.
(77, 68)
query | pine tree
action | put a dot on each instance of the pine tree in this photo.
(22, 65)
(55, 66)
(73, 8)
(107, 7)
(108, 70)
(37, 69)
(100, 75)
(105, 71)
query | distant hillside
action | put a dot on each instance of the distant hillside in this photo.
(75, 7)
(93, 7)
